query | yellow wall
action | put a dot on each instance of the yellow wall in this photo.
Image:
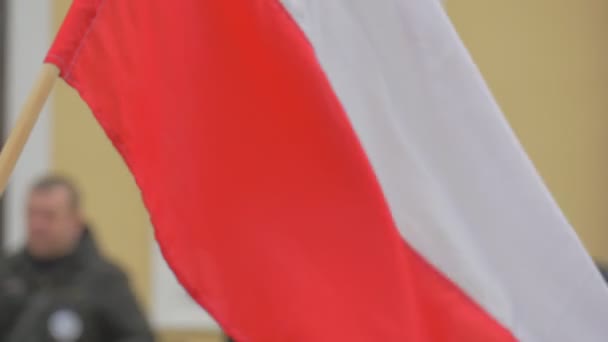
(545, 61)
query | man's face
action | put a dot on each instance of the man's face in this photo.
(53, 224)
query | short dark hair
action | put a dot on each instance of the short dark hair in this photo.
(52, 181)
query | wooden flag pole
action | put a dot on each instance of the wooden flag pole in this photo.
(25, 122)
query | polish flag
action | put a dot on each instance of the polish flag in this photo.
(331, 170)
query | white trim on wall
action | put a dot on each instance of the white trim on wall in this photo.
(172, 307)
(28, 38)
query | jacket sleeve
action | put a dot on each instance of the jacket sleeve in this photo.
(120, 315)
(12, 301)
(6, 305)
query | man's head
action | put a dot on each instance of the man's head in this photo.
(54, 221)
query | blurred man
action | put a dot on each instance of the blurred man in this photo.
(59, 288)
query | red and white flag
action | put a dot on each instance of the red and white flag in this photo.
(331, 170)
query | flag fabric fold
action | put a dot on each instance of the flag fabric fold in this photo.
(329, 171)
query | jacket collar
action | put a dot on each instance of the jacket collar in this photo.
(85, 250)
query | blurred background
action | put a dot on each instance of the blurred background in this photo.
(545, 61)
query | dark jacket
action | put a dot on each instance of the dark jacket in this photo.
(81, 297)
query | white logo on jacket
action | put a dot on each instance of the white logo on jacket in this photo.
(65, 325)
